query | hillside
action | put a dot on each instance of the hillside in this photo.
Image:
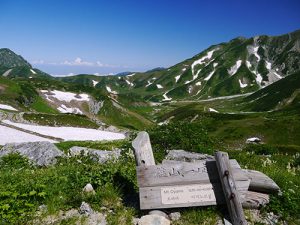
(239, 66)
(284, 94)
(13, 65)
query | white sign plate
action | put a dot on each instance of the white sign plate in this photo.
(187, 194)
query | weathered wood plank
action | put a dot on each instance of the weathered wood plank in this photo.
(204, 195)
(178, 173)
(234, 164)
(143, 150)
(229, 189)
(261, 182)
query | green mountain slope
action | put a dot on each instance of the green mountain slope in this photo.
(284, 94)
(239, 66)
(13, 65)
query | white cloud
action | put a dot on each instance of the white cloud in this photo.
(38, 62)
(76, 62)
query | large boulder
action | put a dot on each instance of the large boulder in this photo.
(101, 156)
(181, 155)
(40, 153)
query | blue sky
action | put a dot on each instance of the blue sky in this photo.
(89, 36)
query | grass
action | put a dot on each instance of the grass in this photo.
(41, 106)
(101, 145)
(60, 120)
(232, 129)
(24, 187)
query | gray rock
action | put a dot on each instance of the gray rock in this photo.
(94, 106)
(101, 156)
(85, 209)
(94, 218)
(135, 221)
(40, 153)
(78, 151)
(181, 155)
(153, 220)
(174, 216)
(159, 213)
(88, 189)
(112, 128)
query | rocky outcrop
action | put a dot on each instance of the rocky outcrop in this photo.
(101, 156)
(94, 106)
(40, 153)
(181, 155)
(85, 215)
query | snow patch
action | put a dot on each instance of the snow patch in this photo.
(10, 135)
(184, 69)
(235, 67)
(277, 75)
(159, 86)
(95, 83)
(212, 110)
(254, 50)
(177, 78)
(268, 65)
(201, 60)
(215, 65)
(253, 140)
(198, 83)
(130, 75)
(166, 98)
(149, 83)
(255, 53)
(209, 75)
(32, 71)
(248, 64)
(65, 96)
(7, 107)
(242, 85)
(129, 83)
(258, 78)
(69, 133)
(111, 91)
(6, 73)
(65, 109)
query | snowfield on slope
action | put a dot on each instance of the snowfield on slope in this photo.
(10, 135)
(7, 107)
(65, 109)
(242, 85)
(111, 91)
(70, 133)
(95, 82)
(235, 67)
(65, 96)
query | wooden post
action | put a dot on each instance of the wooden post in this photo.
(229, 188)
(143, 150)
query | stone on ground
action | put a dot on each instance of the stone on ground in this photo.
(40, 153)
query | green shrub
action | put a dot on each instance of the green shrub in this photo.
(261, 149)
(181, 135)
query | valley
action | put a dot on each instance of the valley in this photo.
(230, 93)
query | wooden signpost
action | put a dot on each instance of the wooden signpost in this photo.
(175, 184)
